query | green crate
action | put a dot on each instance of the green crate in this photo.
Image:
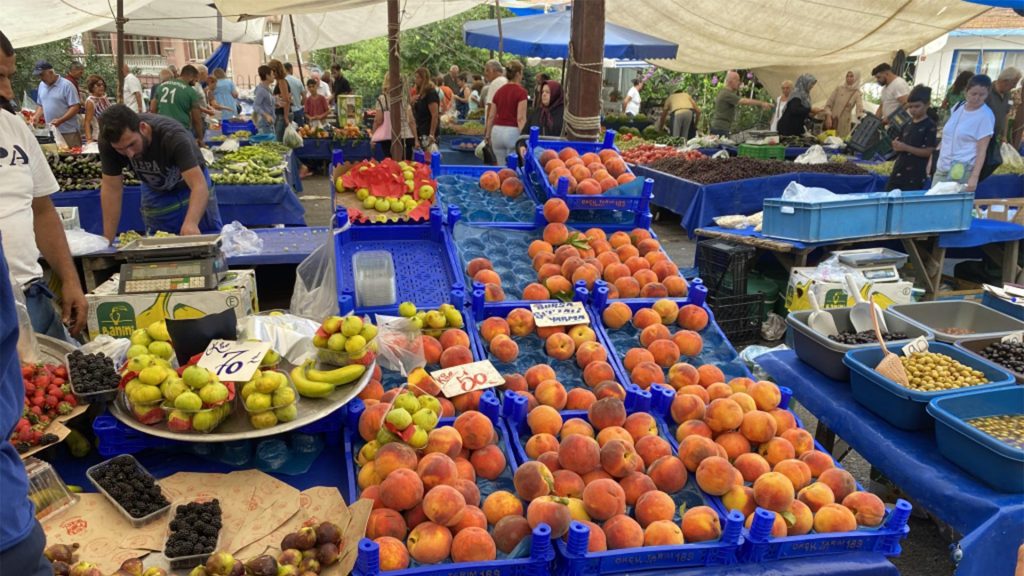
(762, 152)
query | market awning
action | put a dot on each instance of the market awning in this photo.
(547, 36)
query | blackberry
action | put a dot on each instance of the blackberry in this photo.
(92, 373)
(130, 486)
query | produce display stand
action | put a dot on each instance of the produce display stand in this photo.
(989, 520)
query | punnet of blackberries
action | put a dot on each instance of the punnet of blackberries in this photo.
(92, 372)
(194, 529)
(130, 486)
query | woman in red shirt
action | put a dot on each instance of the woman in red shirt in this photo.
(506, 116)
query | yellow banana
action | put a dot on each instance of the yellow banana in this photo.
(338, 376)
(307, 387)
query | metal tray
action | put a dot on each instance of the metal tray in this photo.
(237, 427)
(171, 243)
(939, 316)
(52, 350)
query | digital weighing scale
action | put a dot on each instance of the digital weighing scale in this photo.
(172, 264)
(876, 264)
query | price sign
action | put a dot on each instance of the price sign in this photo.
(459, 380)
(233, 361)
(1013, 338)
(919, 344)
(559, 314)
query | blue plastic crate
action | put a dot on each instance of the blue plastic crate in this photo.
(1000, 305)
(995, 463)
(903, 407)
(573, 555)
(913, 212)
(478, 205)
(231, 126)
(825, 221)
(425, 262)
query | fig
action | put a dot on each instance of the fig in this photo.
(307, 538)
(154, 571)
(83, 569)
(61, 552)
(327, 532)
(311, 553)
(133, 566)
(262, 566)
(289, 556)
(327, 554)
(309, 565)
(287, 570)
(60, 568)
(238, 570)
(220, 563)
(199, 571)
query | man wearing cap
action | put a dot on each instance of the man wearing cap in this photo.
(58, 103)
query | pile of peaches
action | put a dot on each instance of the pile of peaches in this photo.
(426, 504)
(590, 174)
(505, 181)
(612, 472)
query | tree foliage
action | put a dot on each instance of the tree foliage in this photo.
(703, 88)
(60, 55)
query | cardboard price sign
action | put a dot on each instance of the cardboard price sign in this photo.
(233, 361)
(919, 344)
(459, 380)
(559, 314)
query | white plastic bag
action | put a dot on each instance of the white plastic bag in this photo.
(229, 145)
(291, 136)
(316, 289)
(113, 348)
(81, 242)
(237, 240)
(799, 192)
(945, 188)
(400, 347)
(289, 335)
(1010, 155)
(720, 154)
(58, 138)
(814, 155)
(28, 350)
(834, 142)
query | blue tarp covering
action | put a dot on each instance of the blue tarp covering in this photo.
(547, 36)
(219, 58)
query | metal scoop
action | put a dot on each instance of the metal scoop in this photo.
(820, 321)
(861, 313)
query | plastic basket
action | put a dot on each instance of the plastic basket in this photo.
(228, 127)
(902, 407)
(98, 397)
(866, 135)
(995, 463)
(739, 317)
(913, 212)
(939, 317)
(426, 269)
(762, 152)
(191, 560)
(825, 221)
(724, 265)
(482, 206)
(975, 346)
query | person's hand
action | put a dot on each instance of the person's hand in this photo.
(74, 308)
(972, 183)
(898, 146)
(189, 229)
(766, 105)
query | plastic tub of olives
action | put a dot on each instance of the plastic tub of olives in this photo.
(279, 410)
(977, 346)
(135, 522)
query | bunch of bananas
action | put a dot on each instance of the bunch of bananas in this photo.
(313, 383)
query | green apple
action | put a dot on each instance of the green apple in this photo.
(429, 402)
(417, 322)
(425, 418)
(369, 332)
(140, 337)
(397, 205)
(406, 401)
(206, 420)
(382, 205)
(336, 342)
(267, 382)
(188, 402)
(263, 420)
(454, 318)
(419, 438)
(172, 388)
(161, 349)
(213, 393)
(158, 331)
(407, 309)
(258, 402)
(332, 324)
(247, 389)
(410, 185)
(384, 436)
(138, 363)
(152, 375)
(283, 396)
(435, 319)
(355, 344)
(369, 202)
(411, 205)
(363, 193)
(287, 413)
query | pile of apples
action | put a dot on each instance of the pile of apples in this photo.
(590, 174)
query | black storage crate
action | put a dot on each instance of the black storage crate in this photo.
(723, 266)
(739, 316)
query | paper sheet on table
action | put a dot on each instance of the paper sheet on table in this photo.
(57, 428)
(105, 536)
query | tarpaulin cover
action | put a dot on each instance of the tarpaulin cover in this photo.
(219, 58)
(990, 521)
(547, 36)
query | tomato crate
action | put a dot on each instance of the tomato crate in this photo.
(573, 555)
(534, 556)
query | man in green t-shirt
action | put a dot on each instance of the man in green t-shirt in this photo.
(725, 105)
(177, 99)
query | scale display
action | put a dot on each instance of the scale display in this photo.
(173, 264)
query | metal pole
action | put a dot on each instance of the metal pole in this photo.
(295, 42)
(119, 23)
(394, 97)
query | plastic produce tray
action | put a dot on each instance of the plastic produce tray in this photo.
(426, 269)
(999, 305)
(192, 560)
(975, 345)
(573, 555)
(458, 186)
(903, 407)
(993, 462)
(825, 355)
(913, 212)
(100, 397)
(135, 522)
(825, 221)
(47, 491)
(939, 317)
(541, 553)
(228, 127)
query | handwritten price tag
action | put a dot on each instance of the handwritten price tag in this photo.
(459, 380)
(559, 314)
(1013, 338)
(233, 361)
(918, 344)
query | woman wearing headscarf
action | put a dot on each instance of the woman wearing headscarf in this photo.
(798, 107)
(844, 105)
(551, 109)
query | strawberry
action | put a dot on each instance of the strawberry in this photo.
(61, 372)
(27, 371)
(42, 380)
(37, 402)
(52, 401)
(30, 388)
(64, 408)
(70, 399)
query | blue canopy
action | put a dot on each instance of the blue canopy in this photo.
(219, 58)
(547, 36)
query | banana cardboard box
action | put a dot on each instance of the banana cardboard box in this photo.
(117, 315)
(835, 294)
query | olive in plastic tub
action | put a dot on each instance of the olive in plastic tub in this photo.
(977, 347)
(128, 462)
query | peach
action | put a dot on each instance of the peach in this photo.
(610, 433)
(544, 261)
(776, 450)
(371, 420)
(465, 468)
(468, 401)
(544, 333)
(719, 390)
(716, 476)
(486, 276)
(723, 415)
(535, 291)
(537, 247)
(473, 544)
(640, 425)
(402, 489)
(596, 475)
(785, 421)
(520, 322)
(653, 333)
(751, 466)
(636, 264)
(773, 491)
(636, 356)
(493, 326)
(551, 393)
(834, 518)
(538, 373)
(533, 480)
(539, 444)
(368, 476)
(701, 524)
(868, 509)
(570, 265)
(645, 317)
(544, 419)
(488, 462)
(511, 187)
(515, 382)
(429, 543)
(436, 469)
(587, 186)
(653, 289)
(741, 398)
(693, 427)
(563, 253)
(385, 522)
(621, 532)
(619, 459)
(803, 519)
(645, 374)
(676, 286)
(476, 430)
(758, 426)
(392, 553)
(567, 153)
(559, 346)
(740, 384)
(801, 439)
(509, 531)
(550, 459)
(372, 493)
(444, 504)
(734, 443)
(493, 292)
(765, 394)
(694, 449)
(490, 181)
(579, 453)
(616, 167)
(818, 461)
(689, 342)
(447, 407)
(606, 257)
(617, 314)
(663, 533)
(710, 374)
(816, 495)
(504, 349)
(596, 372)
(392, 456)
(665, 270)
(779, 526)
(840, 481)
(500, 504)
(692, 317)
(668, 474)
(568, 484)
(665, 352)
(556, 234)
(740, 498)
(607, 412)
(551, 510)
(687, 407)
(609, 389)
(682, 374)
(635, 484)
(588, 274)
(627, 287)
(589, 352)
(797, 472)
(375, 390)
(645, 276)
(653, 506)
(619, 238)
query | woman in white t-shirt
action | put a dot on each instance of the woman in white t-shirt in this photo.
(965, 137)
